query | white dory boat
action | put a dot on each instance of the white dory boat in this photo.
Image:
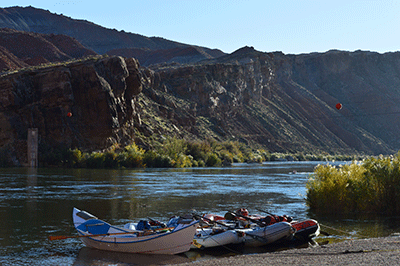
(98, 234)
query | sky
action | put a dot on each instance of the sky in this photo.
(293, 27)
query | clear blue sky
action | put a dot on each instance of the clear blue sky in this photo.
(293, 27)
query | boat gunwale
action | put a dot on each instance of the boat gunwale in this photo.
(113, 239)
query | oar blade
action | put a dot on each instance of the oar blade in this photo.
(51, 238)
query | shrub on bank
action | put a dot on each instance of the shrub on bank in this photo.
(213, 160)
(170, 152)
(95, 160)
(370, 186)
(131, 157)
(74, 158)
(155, 160)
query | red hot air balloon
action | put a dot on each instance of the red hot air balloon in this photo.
(338, 106)
(69, 114)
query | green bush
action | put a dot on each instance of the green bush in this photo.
(130, 160)
(131, 157)
(226, 157)
(173, 147)
(213, 160)
(169, 152)
(95, 160)
(233, 149)
(110, 160)
(372, 186)
(182, 161)
(155, 160)
(201, 163)
(74, 158)
(198, 150)
(300, 157)
(383, 175)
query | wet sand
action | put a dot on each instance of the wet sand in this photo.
(372, 251)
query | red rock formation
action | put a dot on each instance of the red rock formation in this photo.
(8, 61)
(182, 55)
(99, 94)
(36, 49)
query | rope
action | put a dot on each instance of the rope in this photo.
(342, 231)
(224, 246)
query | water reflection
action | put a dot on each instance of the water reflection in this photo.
(36, 203)
(357, 226)
(89, 256)
(31, 183)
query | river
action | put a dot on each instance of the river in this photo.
(37, 203)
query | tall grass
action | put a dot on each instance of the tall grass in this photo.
(370, 186)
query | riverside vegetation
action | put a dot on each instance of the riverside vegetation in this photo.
(169, 153)
(177, 153)
(371, 186)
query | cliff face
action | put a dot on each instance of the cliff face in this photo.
(278, 102)
(366, 83)
(88, 104)
(287, 103)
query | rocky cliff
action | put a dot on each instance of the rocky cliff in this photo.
(88, 104)
(286, 102)
(366, 83)
(281, 103)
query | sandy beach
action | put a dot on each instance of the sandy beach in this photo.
(372, 251)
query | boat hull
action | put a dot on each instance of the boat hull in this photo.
(205, 238)
(162, 244)
(261, 236)
(306, 230)
(253, 237)
(176, 241)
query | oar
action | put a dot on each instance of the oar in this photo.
(265, 212)
(249, 219)
(289, 218)
(259, 238)
(212, 221)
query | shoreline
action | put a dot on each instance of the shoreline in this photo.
(382, 251)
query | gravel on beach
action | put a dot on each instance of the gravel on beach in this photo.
(371, 251)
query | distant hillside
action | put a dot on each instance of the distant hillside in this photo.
(95, 37)
(8, 61)
(34, 48)
(185, 55)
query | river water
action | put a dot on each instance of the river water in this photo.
(37, 203)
